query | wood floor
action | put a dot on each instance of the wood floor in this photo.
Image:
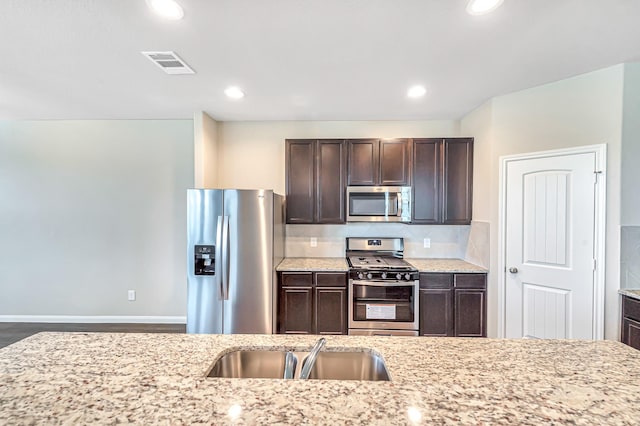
(11, 332)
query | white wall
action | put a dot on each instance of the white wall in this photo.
(91, 209)
(631, 146)
(583, 110)
(206, 151)
(252, 153)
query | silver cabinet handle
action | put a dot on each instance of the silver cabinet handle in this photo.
(513, 270)
(399, 207)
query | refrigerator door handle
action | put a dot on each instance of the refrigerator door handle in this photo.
(225, 258)
(218, 255)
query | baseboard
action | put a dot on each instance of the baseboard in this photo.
(94, 319)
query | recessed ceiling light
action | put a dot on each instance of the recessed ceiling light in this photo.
(166, 8)
(480, 7)
(234, 92)
(416, 91)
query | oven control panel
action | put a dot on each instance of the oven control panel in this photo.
(377, 275)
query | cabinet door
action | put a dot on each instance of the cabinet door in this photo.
(426, 180)
(364, 157)
(436, 312)
(295, 310)
(394, 162)
(470, 315)
(631, 333)
(331, 182)
(331, 310)
(300, 155)
(457, 181)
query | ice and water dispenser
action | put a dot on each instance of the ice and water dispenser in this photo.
(204, 260)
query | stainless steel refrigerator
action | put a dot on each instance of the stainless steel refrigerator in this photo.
(235, 241)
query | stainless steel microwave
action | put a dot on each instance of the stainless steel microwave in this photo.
(379, 204)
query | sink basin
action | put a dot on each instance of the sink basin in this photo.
(269, 364)
(349, 366)
(250, 364)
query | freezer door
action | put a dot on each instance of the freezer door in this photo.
(204, 226)
(249, 258)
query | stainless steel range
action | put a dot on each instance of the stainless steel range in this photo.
(383, 288)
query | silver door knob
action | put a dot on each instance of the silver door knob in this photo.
(513, 270)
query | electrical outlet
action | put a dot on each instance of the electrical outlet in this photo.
(131, 295)
(427, 243)
(313, 242)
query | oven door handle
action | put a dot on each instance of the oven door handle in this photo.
(384, 283)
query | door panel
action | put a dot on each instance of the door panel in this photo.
(394, 162)
(546, 312)
(363, 162)
(331, 171)
(545, 215)
(250, 260)
(550, 223)
(426, 180)
(300, 181)
(204, 304)
(457, 181)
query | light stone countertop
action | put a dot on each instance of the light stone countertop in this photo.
(106, 378)
(338, 264)
(632, 293)
(445, 265)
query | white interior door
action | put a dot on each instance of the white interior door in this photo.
(549, 247)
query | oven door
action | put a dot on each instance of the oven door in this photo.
(383, 305)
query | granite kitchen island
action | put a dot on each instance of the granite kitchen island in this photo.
(104, 378)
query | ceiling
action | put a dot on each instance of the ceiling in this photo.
(297, 59)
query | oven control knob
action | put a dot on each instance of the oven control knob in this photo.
(384, 276)
(407, 277)
(398, 276)
(360, 275)
(369, 276)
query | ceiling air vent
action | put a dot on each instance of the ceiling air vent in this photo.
(169, 62)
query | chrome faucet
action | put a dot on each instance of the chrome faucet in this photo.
(311, 359)
(289, 365)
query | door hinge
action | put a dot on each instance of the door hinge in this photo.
(594, 264)
(596, 173)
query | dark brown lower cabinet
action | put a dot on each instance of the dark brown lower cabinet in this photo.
(330, 312)
(436, 312)
(631, 322)
(453, 305)
(312, 303)
(295, 305)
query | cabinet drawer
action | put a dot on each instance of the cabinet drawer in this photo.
(631, 308)
(297, 279)
(478, 281)
(436, 280)
(331, 279)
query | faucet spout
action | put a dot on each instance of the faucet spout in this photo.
(311, 359)
(289, 365)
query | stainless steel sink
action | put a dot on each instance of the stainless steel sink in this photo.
(349, 366)
(250, 364)
(270, 364)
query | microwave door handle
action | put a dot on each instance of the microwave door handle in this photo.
(399, 200)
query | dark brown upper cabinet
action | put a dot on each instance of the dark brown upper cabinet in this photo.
(442, 180)
(315, 180)
(379, 162)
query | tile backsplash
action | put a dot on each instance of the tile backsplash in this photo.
(478, 247)
(447, 241)
(630, 257)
